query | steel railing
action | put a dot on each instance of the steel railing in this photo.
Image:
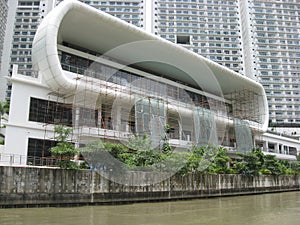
(17, 159)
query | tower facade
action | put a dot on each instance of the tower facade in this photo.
(24, 17)
(3, 19)
(131, 11)
(257, 38)
(210, 28)
(276, 39)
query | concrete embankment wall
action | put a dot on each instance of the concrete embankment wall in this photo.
(33, 187)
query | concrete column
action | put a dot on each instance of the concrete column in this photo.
(180, 131)
(285, 149)
(76, 125)
(276, 148)
(77, 117)
(116, 117)
(265, 146)
(99, 108)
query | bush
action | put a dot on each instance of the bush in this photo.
(204, 159)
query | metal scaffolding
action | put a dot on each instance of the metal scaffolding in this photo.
(118, 103)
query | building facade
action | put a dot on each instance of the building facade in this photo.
(132, 12)
(257, 38)
(118, 86)
(24, 17)
(276, 38)
(3, 20)
(209, 28)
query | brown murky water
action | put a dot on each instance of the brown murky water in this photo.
(268, 209)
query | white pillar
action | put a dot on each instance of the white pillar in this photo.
(265, 146)
(276, 148)
(99, 108)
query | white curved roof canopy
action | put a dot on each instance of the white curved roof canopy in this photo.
(81, 25)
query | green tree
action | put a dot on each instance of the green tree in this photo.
(196, 160)
(295, 166)
(256, 163)
(250, 163)
(98, 153)
(4, 109)
(64, 151)
(207, 159)
(271, 166)
(220, 162)
(143, 154)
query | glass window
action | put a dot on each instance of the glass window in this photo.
(38, 148)
(45, 111)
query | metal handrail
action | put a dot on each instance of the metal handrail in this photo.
(12, 159)
(18, 159)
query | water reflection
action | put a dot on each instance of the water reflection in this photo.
(270, 209)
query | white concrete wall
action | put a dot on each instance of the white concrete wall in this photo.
(19, 128)
(247, 40)
(1, 149)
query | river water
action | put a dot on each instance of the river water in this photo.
(267, 209)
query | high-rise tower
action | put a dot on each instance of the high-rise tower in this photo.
(207, 27)
(276, 45)
(131, 11)
(3, 19)
(24, 17)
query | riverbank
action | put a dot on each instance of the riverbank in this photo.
(44, 187)
(264, 209)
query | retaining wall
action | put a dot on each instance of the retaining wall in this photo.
(33, 187)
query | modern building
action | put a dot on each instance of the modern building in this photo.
(3, 19)
(110, 80)
(227, 32)
(256, 38)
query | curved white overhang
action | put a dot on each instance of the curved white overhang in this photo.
(81, 25)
